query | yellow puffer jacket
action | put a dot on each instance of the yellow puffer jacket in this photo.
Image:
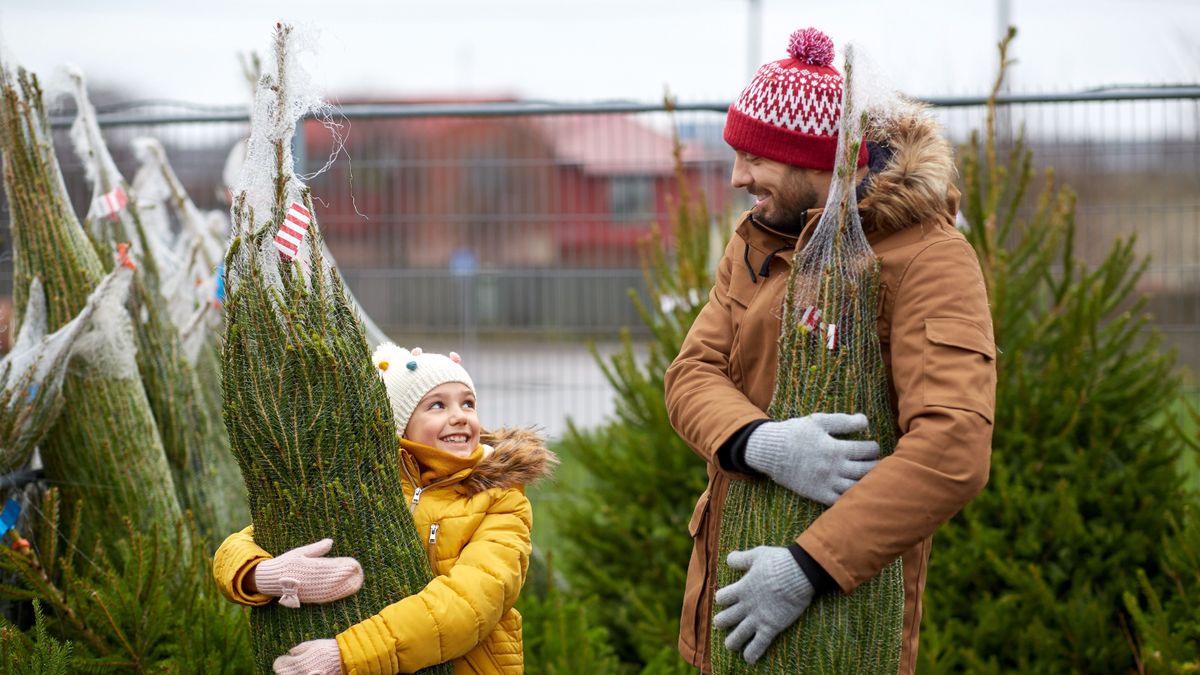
(475, 521)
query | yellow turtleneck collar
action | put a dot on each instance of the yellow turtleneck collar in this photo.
(439, 465)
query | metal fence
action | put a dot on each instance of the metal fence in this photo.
(508, 231)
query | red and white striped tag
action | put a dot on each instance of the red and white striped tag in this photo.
(110, 203)
(291, 232)
(810, 321)
(831, 337)
(811, 318)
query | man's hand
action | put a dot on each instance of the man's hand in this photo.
(315, 657)
(802, 455)
(304, 575)
(770, 597)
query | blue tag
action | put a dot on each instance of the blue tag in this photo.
(8, 517)
(220, 292)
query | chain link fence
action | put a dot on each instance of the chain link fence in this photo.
(508, 231)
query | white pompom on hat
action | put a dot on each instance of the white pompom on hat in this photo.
(409, 375)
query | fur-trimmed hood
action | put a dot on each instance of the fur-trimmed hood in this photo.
(912, 174)
(518, 457)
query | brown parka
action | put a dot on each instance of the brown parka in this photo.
(935, 332)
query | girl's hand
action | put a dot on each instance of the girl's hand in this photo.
(315, 657)
(303, 575)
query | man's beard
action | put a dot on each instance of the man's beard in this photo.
(790, 204)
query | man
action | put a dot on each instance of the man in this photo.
(935, 333)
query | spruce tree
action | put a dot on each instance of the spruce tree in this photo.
(1031, 576)
(627, 515)
(39, 654)
(561, 635)
(153, 606)
(1166, 626)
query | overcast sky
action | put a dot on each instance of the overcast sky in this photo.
(578, 50)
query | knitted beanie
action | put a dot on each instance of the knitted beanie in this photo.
(790, 111)
(409, 375)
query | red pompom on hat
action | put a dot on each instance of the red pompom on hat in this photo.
(791, 110)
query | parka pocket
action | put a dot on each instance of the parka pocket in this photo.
(960, 366)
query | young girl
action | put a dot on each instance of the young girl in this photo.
(469, 506)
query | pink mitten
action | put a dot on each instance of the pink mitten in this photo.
(315, 657)
(304, 575)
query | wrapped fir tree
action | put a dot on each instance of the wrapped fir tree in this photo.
(31, 374)
(307, 413)
(107, 450)
(197, 447)
(189, 284)
(193, 282)
(829, 362)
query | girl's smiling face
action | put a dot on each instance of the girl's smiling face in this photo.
(446, 419)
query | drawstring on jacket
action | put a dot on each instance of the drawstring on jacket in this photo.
(746, 257)
(764, 270)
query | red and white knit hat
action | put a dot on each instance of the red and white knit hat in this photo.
(791, 110)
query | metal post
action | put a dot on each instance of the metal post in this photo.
(1003, 21)
(299, 156)
(753, 38)
(1003, 124)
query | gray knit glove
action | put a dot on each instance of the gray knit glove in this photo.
(770, 597)
(802, 455)
(315, 657)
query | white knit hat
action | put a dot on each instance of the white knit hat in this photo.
(409, 375)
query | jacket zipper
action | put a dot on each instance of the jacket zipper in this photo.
(430, 547)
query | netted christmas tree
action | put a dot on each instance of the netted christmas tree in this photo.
(307, 413)
(190, 283)
(196, 445)
(193, 284)
(107, 450)
(31, 374)
(830, 362)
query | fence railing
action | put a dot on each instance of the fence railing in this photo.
(508, 230)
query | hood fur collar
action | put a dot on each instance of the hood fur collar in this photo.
(918, 180)
(519, 457)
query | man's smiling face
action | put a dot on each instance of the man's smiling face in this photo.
(783, 192)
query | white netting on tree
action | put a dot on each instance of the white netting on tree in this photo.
(108, 347)
(269, 156)
(192, 437)
(31, 374)
(153, 197)
(189, 285)
(110, 195)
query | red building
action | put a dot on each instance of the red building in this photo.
(516, 191)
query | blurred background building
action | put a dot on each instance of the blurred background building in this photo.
(507, 229)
